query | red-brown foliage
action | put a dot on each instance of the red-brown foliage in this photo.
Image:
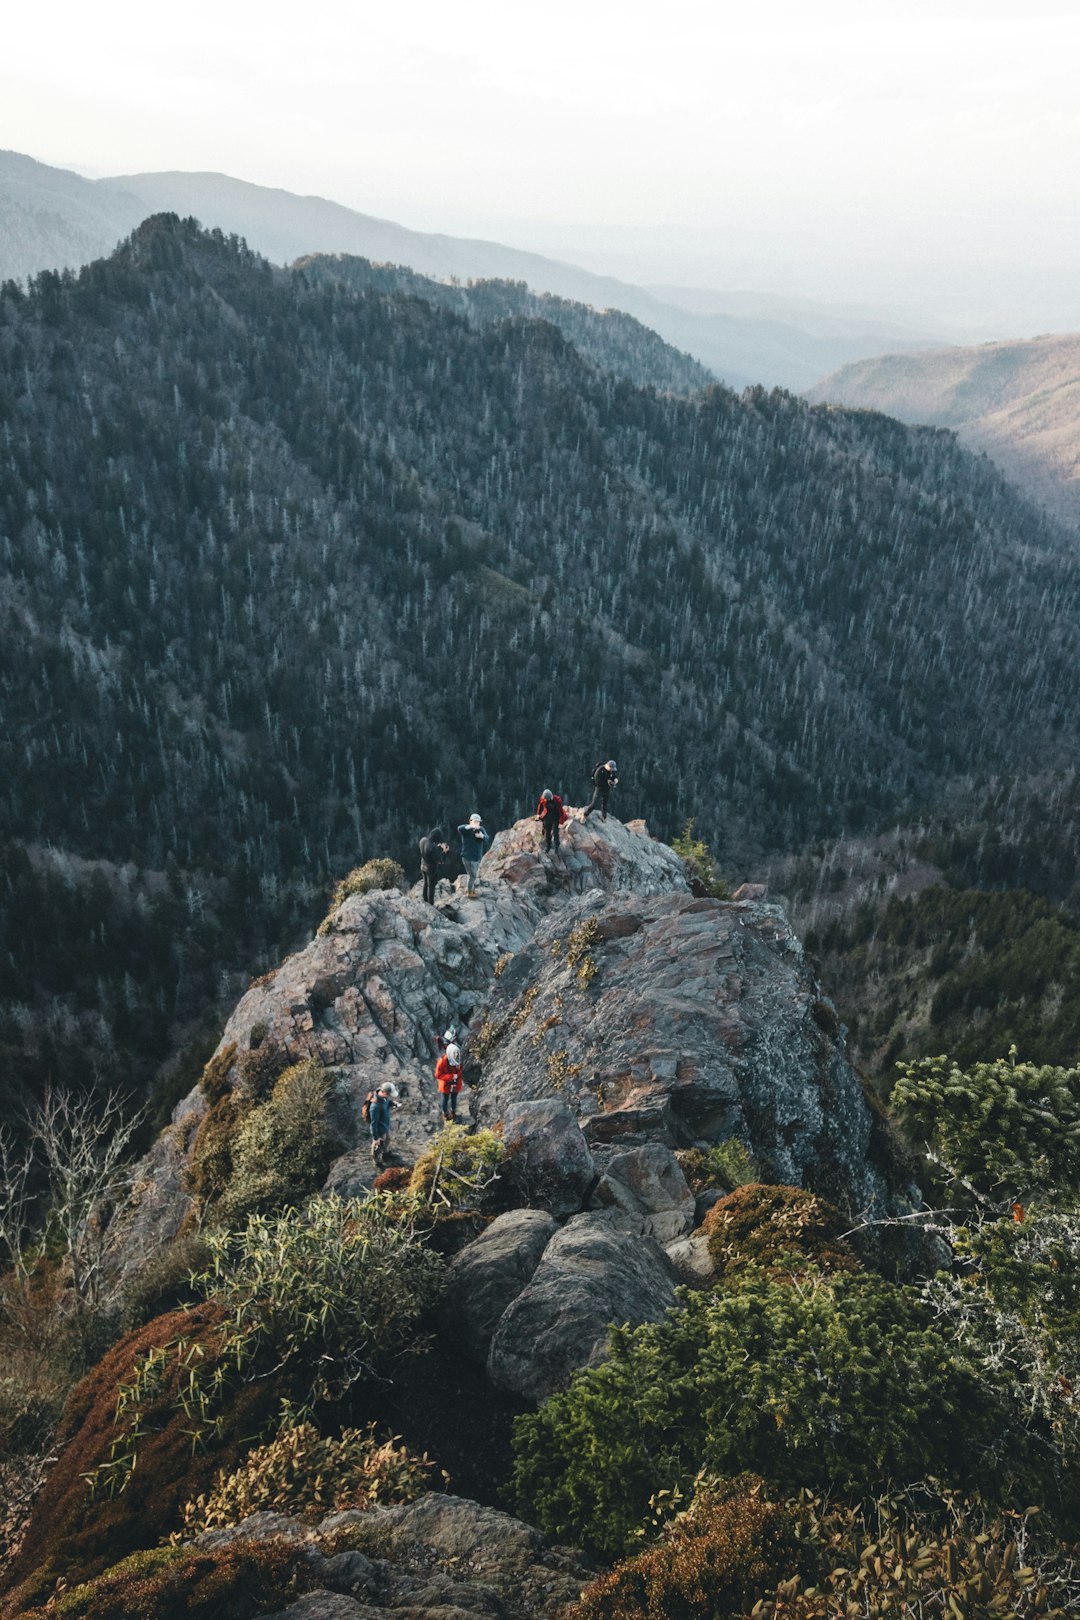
(73, 1530)
(784, 1230)
(730, 1549)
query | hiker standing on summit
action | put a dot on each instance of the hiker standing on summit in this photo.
(551, 814)
(603, 780)
(474, 840)
(433, 852)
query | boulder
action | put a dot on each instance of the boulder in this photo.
(491, 1272)
(549, 1164)
(611, 856)
(691, 1258)
(601, 1268)
(648, 1181)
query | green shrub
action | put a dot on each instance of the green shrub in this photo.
(842, 1382)
(210, 1168)
(728, 1164)
(283, 1149)
(1014, 1295)
(328, 1293)
(732, 1545)
(783, 1230)
(700, 864)
(1008, 1128)
(298, 1307)
(378, 874)
(302, 1472)
(242, 1580)
(457, 1171)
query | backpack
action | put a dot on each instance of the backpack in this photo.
(365, 1110)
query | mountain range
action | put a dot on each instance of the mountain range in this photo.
(1020, 402)
(51, 218)
(295, 564)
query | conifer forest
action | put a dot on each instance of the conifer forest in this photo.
(295, 564)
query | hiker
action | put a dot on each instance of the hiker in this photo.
(473, 839)
(603, 780)
(551, 814)
(377, 1109)
(433, 852)
(448, 1075)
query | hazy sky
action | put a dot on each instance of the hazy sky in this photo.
(878, 129)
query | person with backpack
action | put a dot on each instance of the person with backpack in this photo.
(448, 1078)
(376, 1111)
(474, 839)
(433, 852)
(603, 780)
(551, 814)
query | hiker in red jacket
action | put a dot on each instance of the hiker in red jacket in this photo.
(448, 1075)
(551, 814)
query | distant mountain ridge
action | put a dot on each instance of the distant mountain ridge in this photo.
(1020, 402)
(742, 350)
(610, 339)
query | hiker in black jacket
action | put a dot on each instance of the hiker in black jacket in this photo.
(433, 852)
(603, 780)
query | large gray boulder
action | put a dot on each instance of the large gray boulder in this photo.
(549, 1163)
(489, 1274)
(439, 1558)
(601, 1268)
(648, 1182)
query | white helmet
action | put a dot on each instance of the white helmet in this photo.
(453, 1054)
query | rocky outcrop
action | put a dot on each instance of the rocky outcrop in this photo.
(608, 1016)
(600, 1269)
(679, 1021)
(386, 975)
(439, 1558)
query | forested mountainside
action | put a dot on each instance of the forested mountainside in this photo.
(958, 931)
(1020, 402)
(292, 571)
(605, 337)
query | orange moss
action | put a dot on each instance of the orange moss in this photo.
(718, 1560)
(75, 1531)
(784, 1230)
(241, 1580)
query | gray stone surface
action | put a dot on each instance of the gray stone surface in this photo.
(601, 1268)
(439, 1558)
(491, 1272)
(598, 982)
(647, 1181)
(691, 1258)
(550, 1165)
(695, 1020)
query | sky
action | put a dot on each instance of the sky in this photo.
(691, 140)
